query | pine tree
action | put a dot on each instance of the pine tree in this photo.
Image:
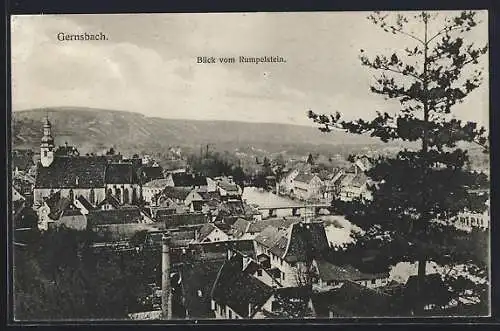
(418, 193)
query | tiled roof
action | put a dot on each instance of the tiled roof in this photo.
(270, 236)
(188, 180)
(199, 278)
(121, 173)
(59, 205)
(300, 242)
(85, 203)
(229, 187)
(206, 230)
(359, 180)
(156, 183)
(210, 196)
(239, 290)
(179, 219)
(114, 216)
(328, 272)
(239, 228)
(279, 223)
(176, 192)
(304, 177)
(353, 300)
(72, 172)
(307, 240)
(245, 247)
(148, 173)
(109, 199)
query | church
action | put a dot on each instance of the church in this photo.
(91, 177)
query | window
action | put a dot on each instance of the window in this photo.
(92, 196)
(125, 195)
(374, 281)
(283, 275)
(71, 195)
(259, 273)
(230, 314)
(45, 153)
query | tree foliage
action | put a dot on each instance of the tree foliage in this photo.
(59, 276)
(417, 193)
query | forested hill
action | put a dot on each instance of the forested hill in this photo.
(97, 129)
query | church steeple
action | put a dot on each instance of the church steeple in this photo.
(47, 144)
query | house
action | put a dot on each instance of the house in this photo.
(152, 188)
(194, 201)
(353, 300)
(228, 190)
(477, 215)
(109, 203)
(122, 182)
(363, 163)
(331, 182)
(307, 186)
(236, 294)
(229, 211)
(83, 205)
(16, 196)
(22, 160)
(210, 200)
(24, 183)
(172, 220)
(354, 185)
(58, 210)
(177, 195)
(241, 292)
(114, 216)
(210, 233)
(289, 252)
(468, 220)
(148, 173)
(244, 229)
(186, 180)
(71, 176)
(329, 276)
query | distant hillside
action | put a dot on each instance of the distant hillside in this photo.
(94, 130)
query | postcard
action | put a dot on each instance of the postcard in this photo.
(250, 166)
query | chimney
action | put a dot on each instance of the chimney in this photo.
(166, 299)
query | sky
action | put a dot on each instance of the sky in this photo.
(148, 65)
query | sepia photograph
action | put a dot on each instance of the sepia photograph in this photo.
(249, 166)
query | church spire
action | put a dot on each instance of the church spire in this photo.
(47, 143)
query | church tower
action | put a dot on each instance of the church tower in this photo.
(47, 144)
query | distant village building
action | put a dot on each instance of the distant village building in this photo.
(211, 233)
(287, 253)
(307, 186)
(59, 210)
(189, 181)
(354, 184)
(329, 276)
(152, 188)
